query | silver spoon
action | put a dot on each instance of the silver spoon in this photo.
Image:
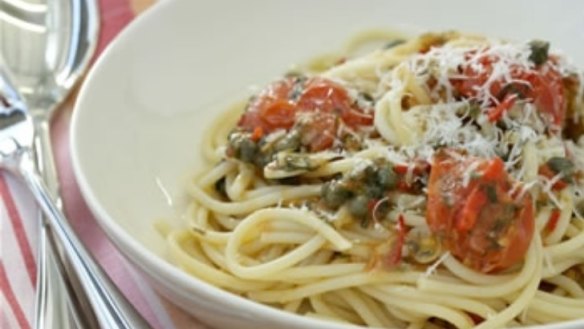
(57, 304)
(48, 46)
(26, 37)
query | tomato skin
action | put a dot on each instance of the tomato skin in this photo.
(271, 109)
(327, 96)
(324, 95)
(395, 256)
(323, 104)
(543, 87)
(548, 94)
(553, 220)
(496, 112)
(479, 223)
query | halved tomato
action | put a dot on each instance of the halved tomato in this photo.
(475, 212)
(321, 105)
(542, 85)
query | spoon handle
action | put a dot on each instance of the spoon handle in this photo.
(110, 307)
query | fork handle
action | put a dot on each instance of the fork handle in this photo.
(111, 309)
(45, 162)
(58, 305)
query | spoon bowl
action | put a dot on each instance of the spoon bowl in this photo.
(46, 61)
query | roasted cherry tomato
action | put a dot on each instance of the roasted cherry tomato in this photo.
(328, 96)
(543, 86)
(317, 105)
(474, 212)
(272, 109)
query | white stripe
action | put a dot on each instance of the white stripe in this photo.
(15, 267)
(150, 297)
(28, 210)
(7, 313)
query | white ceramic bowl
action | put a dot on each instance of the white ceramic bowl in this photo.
(144, 106)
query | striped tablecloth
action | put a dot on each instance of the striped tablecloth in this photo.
(18, 228)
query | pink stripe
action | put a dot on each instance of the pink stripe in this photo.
(19, 231)
(154, 314)
(3, 317)
(115, 15)
(11, 298)
(116, 267)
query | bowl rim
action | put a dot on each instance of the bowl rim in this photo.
(133, 250)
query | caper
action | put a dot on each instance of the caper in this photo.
(290, 142)
(374, 190)
(262, 159)
(561, 165)
(386, 177)
(358, 206)
(539, 51)
(247, 150)
(335, 194)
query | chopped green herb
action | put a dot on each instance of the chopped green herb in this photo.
(294, 161)
(561, 165)
(491, 193)
(335, 194)
(539, 51)
(290, 142)
(298, 88)
(393, 43)
(474, 110)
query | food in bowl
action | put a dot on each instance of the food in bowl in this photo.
(433, 182)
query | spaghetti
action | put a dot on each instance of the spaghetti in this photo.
(434, 182)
